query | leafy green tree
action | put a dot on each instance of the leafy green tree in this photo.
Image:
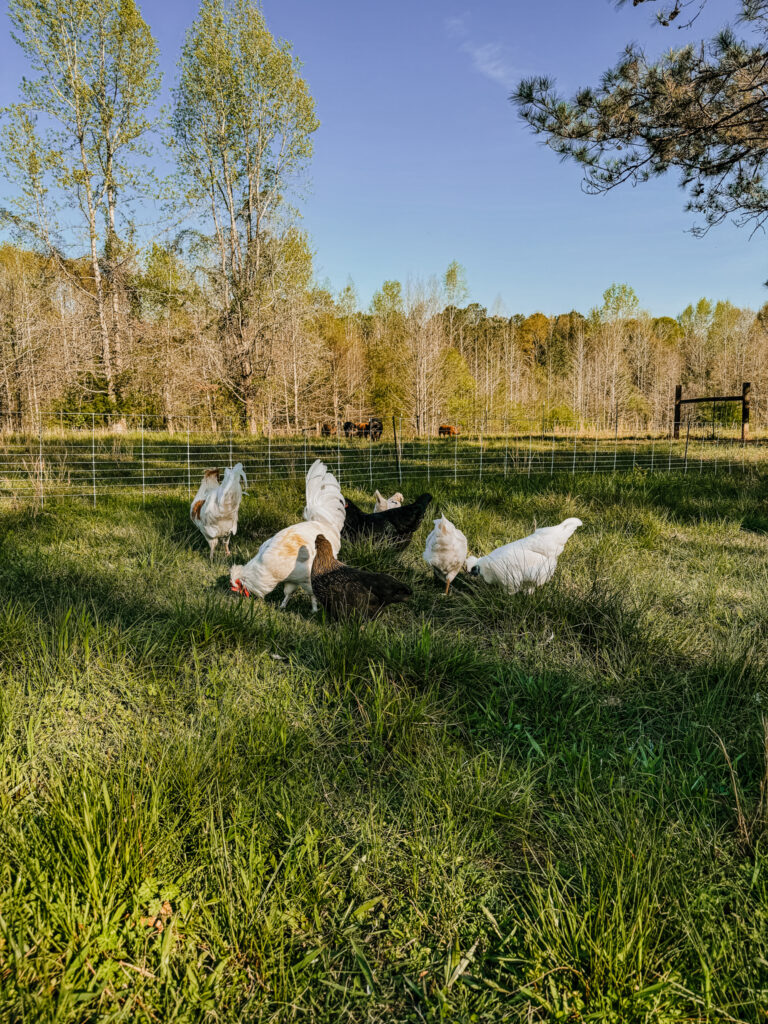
(620, 303)
(95, 80)
(387, 304)
(242, 122)
(458, 387)
(699, 109)
(566, 332)
(534, 336)
(456, 292)
(387, 353)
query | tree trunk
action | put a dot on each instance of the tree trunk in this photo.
(112, 251)
(106, 354)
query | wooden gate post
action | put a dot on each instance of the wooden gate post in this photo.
(746, 391)
(678, 396)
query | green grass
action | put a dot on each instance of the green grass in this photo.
(480, 808)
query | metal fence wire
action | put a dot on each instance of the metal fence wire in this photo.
(83, 457)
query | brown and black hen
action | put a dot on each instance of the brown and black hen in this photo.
(343, 590)
(396, 525)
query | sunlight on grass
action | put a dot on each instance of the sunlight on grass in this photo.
(482, 807)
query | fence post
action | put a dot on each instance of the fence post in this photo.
(42, 479)
(400, 459)
(676, 423)
(746, 391)
(552, 460)
(93, 455)
(687, 435)
(143, 471)
(397, 451)
(400, 447)
(189, 468)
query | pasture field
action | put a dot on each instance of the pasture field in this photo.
(479, 808)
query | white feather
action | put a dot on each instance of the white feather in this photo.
(288, 556)
(526, 563)
(216, 518)
(325, 502)
(383, 504)
(446, 549)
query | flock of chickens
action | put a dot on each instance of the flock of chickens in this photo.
(305, 555)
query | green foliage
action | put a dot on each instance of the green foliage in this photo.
(460, 387)
(387, 303)
(95, 77)
(455, 284)
(696, 109)
(534, 336)
(164, 285)
(89, 395)
(560, 416)
(243, 121)
(619, 303)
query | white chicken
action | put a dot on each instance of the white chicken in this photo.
(215, 507)
(382, 503)
(526, 563)
(287, 557)
(446, 550)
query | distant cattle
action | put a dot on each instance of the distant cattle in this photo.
(328, 429)
(373, 429)
(446, 430)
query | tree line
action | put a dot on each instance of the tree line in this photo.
(420, 352)
(218, 315)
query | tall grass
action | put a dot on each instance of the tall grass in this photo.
(480, 807)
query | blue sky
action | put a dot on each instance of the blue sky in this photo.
(420, 158)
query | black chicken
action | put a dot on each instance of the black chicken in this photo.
(396, 525)
(343, 590)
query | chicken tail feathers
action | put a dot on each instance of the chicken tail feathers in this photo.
(230, 493)
(325, 503)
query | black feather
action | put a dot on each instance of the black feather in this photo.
(397, 525)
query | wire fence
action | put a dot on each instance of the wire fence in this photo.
(87, 458)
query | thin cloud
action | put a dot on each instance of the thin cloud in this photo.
(457, 25)
(489, 59)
